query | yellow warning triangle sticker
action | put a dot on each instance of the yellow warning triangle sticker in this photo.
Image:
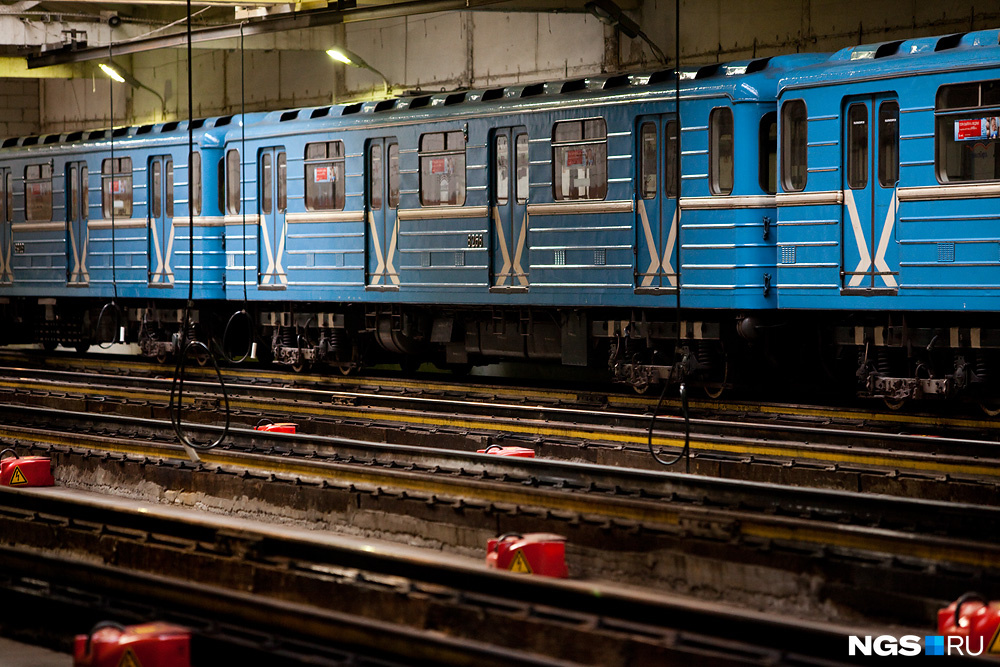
(18, 477)
(129, 659)
(520, 564)
(995, 642)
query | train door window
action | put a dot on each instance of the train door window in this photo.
(194, 183)
(281, 174)
(266, 186)
(74, 193)
(392, 153)
(767, 146)
(375, 176)
(502, 171)
(155, 176)
(168, 192)
(116, 187)
(324, 173)
(521, 167)
(720, 151)
(794, 144)
(9, 185)
(857, 146)
(888, 144)
(442, 169)
(233, 181)
(84, 193)
(580, 159)
(647, 160)
(38, 192)
(671, 157)
(967, 132)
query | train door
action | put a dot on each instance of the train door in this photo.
(509, 209)
(6, 232)
(76, 224)
(272, 202)
(160, 220)
(871, 171)
(381, 201)
(657, 217)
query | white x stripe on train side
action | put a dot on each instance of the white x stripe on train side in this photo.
(654, 255)
(865, 262)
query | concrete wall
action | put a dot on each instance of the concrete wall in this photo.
(19, 112)
(480, 49)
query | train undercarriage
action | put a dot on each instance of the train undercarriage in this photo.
(894, 357)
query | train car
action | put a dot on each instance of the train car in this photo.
(527, 222)
(888, 212)
(95, 218)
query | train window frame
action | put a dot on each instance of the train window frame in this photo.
(793, 139)
(116, 187)
(168, 188)
(522, 170)
(9, 183)
(281, 182)
(392, 157)
(233, 199)
(266, 181)
(888, 145)
(577, 140)
(767, 153)
(857, 150)
(721, 157)
(442, 154)
(376, 169)
(327, 161)
(501, 169)
(195, 179)
(155, 186)
(649, 160)
(967, 132)
(38, 201)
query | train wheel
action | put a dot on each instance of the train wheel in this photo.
(346, 369)
(990, 407)
(201, 359)
(300, 366)
(718, 371)
(894, 403)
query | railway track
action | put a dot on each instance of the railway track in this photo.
(822, 553)
(803, 446)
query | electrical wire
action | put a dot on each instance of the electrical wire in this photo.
(185, 346)
(685, 452)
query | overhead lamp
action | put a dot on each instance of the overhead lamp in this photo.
(611, 14)
(122, 75)
(342, 55)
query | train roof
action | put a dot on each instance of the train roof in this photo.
(742, 81)
(900, 58)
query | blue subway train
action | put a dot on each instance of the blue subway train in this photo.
(807, 215)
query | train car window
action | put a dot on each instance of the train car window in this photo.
(501, 185)
(116, 187)
(194, 179)
(720, 151)
(857, 146)
(967, 132)
(325, 176)
(265, 184)
(156, 189)
(38, 192)
(794, 143)
(442, 169)
(671, 157)
(888, 144)
(392, 153)
(282, 168)
(375, 175)
(580, 159)
(233, 181)
(168, 191)
(647, 160)
(85, 195)
(74, 193)
(521, 167)
(767, 146)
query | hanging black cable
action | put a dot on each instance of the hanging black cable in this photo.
(185, 346)
(685, 452)
(242, 314)
(113, 306)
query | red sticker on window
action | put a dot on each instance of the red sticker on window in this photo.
(322, 175)
(437, 166)
(574, 157)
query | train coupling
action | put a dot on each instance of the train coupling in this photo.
(897, 389)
